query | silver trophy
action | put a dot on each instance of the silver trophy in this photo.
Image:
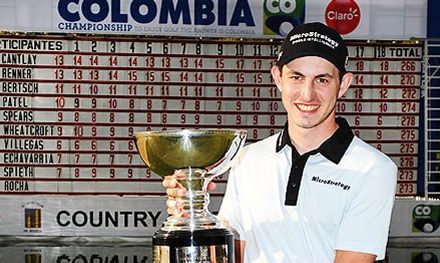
(196, 157)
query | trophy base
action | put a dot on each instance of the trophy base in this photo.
(199, 246)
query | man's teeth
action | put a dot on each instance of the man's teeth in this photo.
(307, 107)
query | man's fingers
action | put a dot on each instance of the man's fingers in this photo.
(212, 186)
(171, 203)
(170, 182)
(175, 192)
(174, 206)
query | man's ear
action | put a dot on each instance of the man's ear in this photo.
(346, 81)
(276, 75)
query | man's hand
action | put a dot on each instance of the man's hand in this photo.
(175, 192)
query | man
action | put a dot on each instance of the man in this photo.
(314, 192)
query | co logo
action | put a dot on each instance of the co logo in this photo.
(422, 210)
(280, 16)
(280, 6)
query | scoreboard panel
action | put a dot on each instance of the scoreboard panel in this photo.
(70, 105)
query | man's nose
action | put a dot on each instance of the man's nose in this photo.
(307, 91)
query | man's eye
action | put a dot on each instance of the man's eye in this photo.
(323, 80)
(295, 77)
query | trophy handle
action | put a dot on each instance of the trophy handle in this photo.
(225, 163)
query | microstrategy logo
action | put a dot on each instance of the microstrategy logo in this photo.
(343, 15)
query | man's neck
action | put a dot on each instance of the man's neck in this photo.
(309, 139)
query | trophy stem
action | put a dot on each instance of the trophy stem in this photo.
(195, 214)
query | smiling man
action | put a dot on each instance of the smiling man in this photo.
(313, 192)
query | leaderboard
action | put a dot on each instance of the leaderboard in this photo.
(70, 105)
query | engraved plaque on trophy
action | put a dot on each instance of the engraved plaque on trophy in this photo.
(196, 157)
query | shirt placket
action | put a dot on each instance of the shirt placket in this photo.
(294, 182)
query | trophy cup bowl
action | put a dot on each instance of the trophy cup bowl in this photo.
(195, 157)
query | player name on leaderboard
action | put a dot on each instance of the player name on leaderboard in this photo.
(70, 105)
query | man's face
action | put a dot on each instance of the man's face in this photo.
(310, 87)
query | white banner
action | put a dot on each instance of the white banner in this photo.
(35, 253)
(372, 19)
(85, 216)
(362, 19)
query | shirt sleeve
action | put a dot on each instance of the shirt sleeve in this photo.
(365, 225)
(229, 212)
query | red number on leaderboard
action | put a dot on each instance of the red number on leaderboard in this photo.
(409, 93)
(360, 65)
(384, 66)
(220, 63)
(408, 120)
(59, 60)
(408, 80)
(406, 175)
(406, 134)
(406, 188)
(255, 134)
(407, 148)
(408, 66)
(409, 107)
(406, 162)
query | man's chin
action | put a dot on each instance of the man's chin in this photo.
(307, 124)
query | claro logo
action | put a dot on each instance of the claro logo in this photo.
(111, 219)
(343, 15)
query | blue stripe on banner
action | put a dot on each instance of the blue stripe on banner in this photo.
(433, 18)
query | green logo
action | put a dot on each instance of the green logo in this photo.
(280, 16)
(424, 257)
(426, 218)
